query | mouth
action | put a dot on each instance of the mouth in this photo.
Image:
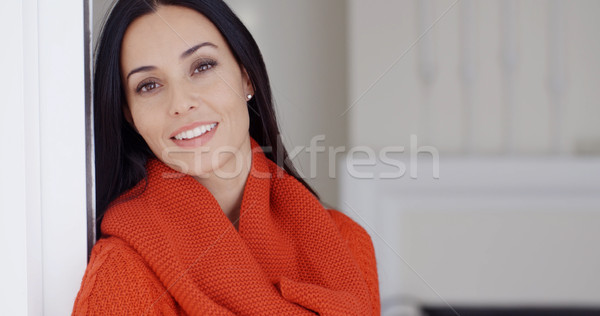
(195, 136)
(195, 132)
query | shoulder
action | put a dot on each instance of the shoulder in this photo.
(117, 281)
(348, 227)
(361, 247)
(356, 236)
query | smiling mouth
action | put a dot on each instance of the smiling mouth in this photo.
(195, 132)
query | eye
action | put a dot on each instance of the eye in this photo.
(203, 65)
(147, 86)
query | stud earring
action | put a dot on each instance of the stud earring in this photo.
(248, 97)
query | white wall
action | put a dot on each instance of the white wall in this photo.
(488, 232)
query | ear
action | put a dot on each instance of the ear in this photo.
(248, 86)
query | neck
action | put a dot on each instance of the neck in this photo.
(228, 190)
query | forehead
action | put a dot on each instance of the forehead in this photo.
(167, 32)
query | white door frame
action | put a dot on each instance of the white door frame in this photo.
(43, 187)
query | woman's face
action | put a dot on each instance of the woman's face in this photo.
(186, 93)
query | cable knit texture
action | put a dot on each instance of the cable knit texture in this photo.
(167, 248)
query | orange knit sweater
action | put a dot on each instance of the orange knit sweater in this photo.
(172, 251)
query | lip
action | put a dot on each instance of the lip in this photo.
(196, 141)
(191, 126)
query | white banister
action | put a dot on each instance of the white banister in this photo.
(508, 53)
(467, 73)
(427, 68)
(557, 76)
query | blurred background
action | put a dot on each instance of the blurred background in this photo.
(487, 112)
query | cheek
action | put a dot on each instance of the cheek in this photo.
(148, 127)
(239, 115)
(243, 110)
(227, 92)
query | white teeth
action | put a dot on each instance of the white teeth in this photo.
(193, 133)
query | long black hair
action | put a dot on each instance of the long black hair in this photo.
(120, 152)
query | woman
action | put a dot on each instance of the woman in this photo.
(200, 210)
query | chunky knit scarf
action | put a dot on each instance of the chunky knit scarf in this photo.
(289, 256)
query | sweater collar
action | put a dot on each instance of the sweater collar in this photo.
(287, 248)
(179, 229)
(256, 194)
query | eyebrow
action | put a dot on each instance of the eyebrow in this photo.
(195, 48)
(184, 55)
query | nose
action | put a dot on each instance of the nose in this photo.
(182, 100)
